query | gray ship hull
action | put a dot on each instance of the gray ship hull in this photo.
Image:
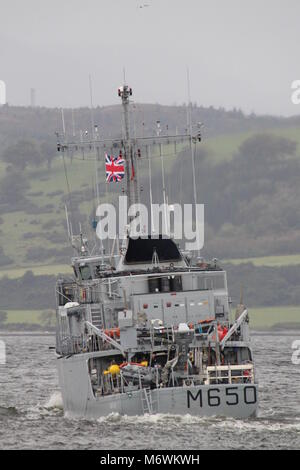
(230, 400)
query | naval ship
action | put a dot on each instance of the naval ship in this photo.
(149, 329)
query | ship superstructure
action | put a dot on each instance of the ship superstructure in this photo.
(150, 330)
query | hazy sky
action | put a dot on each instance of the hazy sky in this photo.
(240, 53)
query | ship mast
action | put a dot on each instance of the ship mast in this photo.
(131, 148)
(130, 157)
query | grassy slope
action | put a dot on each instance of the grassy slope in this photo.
(16, 224)
(81, 175)
(224, 147)
(260, 318)
(23, 316)
(267, 317)
(38, 270)
(272, 261)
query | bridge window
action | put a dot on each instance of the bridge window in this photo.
(85, 273)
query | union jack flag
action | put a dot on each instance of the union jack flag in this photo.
(114, 167)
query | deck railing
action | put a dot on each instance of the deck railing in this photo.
(230, 374)
(80, 344)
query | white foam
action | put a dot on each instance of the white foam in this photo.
(55, 401)
(111, 418)
(258, 425)
(156, 418)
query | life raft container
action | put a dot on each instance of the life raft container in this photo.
(113, 332)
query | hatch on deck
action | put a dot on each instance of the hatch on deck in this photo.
(141, 250)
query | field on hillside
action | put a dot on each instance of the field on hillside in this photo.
(272, 261)
(24, 230)
(268, 317)
(38, 270)
(24, 316)
(44, 227)
(260, 318)
(224, 147)
(21, 230)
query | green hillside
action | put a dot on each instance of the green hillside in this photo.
(270, 317)
(280, 260)
(32, 223)
(223, 147)
(260, 318)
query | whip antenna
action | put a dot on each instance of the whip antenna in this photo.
(189, 120)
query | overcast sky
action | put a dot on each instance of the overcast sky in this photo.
(240, 53)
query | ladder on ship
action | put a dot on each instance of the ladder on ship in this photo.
(96, 317)
(147, 402)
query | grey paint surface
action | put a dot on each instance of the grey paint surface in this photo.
(239, 401)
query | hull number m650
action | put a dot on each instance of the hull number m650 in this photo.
(214, 398)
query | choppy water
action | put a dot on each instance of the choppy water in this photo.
(31, 415)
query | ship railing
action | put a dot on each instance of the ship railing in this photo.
(69, 345)
(211, 328)
(106, 339)
(230, 374)
(80, 344)
(110, 384)
(93, 291)
(66, 291)
(165, 339)
(117, 383)
(234, 328)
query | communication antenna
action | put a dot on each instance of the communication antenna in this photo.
(91, 107)
(63, 122)
(155, 259)
(150, 189)
(69, 224)
(164, 189)
(97, 154)
(32, 97)
(241, 295)
(189, 120)
(73, 124)
(98, 198)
